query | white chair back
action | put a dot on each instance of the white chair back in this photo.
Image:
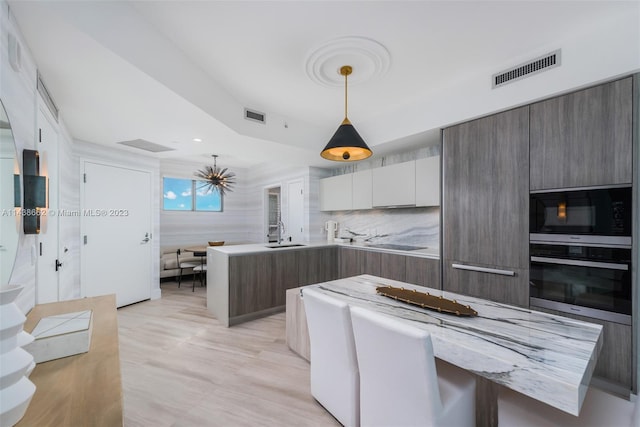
(335, 381)
(398, 377)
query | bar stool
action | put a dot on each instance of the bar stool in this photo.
(400, 382)
(335, 382)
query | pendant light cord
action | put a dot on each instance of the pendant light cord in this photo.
(346, 75)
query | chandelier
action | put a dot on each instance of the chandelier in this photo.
(216, 178)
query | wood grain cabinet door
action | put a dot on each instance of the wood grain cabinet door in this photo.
(486, 205)
(583, 139)
(486, 190)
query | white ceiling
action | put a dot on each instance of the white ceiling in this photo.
(171, 71)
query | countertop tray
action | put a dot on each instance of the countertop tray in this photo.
(426, 300)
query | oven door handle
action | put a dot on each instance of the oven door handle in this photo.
(607, 265)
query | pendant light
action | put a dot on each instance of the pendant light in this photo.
(216, 178)
(346, 145)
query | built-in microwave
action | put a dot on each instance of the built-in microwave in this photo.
(595, 215)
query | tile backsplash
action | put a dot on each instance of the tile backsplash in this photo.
(407, 226)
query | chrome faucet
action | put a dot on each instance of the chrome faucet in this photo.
(281, 231)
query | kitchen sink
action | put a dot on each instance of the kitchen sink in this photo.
(286, 245)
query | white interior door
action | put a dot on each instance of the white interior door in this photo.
(296, 211)
(116, 233)
(47, 279)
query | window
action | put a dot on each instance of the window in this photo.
(190, 195)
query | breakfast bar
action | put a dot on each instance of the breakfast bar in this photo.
(547, 357)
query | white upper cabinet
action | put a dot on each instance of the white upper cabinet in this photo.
(394, 185)
(428, 181)
(362, 190)
(336, 193)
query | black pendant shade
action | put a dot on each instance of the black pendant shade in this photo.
(346, 145)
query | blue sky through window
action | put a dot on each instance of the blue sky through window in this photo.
(206, 199)
(178, 196)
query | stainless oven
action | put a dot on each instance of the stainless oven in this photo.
(594, 216)
(591, 281)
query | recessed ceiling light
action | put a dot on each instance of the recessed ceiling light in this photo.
(197, 140)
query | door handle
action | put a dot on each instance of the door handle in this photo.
(58, 264)
(146, 239)
(483, 269)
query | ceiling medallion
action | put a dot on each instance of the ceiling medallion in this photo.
(370, 58)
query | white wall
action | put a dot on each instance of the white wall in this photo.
(271, 175)
(17, 91)
(603, 51)
(179, 228)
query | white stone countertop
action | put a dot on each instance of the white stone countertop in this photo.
(253, 248)
(546, 357)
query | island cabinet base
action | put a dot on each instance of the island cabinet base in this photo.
(244, 287)
(296, 325)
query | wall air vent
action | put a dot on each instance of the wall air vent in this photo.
(48, 100)
(255, 116)
(529, 68)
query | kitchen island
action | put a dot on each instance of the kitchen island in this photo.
(245, 282)
(547, 357)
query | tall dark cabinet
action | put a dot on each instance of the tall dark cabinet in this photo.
(584, 138)
(486, 207)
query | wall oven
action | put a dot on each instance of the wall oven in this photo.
(588, 281)
(580, 248)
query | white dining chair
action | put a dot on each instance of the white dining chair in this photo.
(335, 382)
(400, 382)
(599, 409)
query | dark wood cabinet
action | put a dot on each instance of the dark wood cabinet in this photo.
(404, 268)
(422, 271)
(317, 265)
(584, 138)
(393, 266)
(348, 264)
(249, 284)
(259, 282)
(486, 206)
(354, 262)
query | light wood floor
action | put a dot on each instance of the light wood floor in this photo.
(180, 367)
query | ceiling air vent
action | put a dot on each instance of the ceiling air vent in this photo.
(44, 93)
(141, 144)
(255, 116)
(538, 65)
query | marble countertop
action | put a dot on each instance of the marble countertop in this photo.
(253, 248)
(547, 357)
